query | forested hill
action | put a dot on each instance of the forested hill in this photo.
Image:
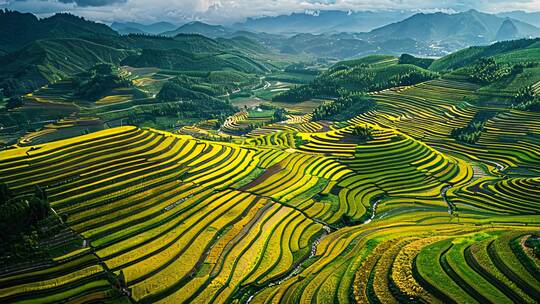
(18, 29)
(36, 52)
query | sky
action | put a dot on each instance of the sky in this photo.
(229, 11)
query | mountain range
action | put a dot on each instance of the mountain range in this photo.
(35, 51)
(455, 31)
(318, 22)
(433, 34)
(197, 27)
(529, 17)
(138, 28)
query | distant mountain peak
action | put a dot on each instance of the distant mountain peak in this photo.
(200, 23)
(507, 31)
(455, 31)
(199, 27)
(195, 22)
(137, 28)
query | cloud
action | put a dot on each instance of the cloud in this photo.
(227, 11)
(85, 3)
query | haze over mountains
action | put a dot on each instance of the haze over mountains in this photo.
(442, 32)
(531, 18)
(318, 22)
(138, 28)
(455, 31)
(347, 34)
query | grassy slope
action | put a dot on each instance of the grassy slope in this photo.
(49, 60)
(469, 55)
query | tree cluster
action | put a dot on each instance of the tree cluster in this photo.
(345, 107)
(487, 70)
(19, 217)
(99, 81)
(279, 115)
(363, 133)
(297, 94)
(526, 99)
(359, 78)
(420, 62)
(473, 130)
(301, 68)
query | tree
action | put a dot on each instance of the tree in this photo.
(18, 215)
(523, 95)
(14, 102)
(363, 133)
(526, 99)
(279, 115)
(103, 69)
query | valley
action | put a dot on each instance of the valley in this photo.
(191, 168)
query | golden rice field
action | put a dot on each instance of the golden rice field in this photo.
(294, 212)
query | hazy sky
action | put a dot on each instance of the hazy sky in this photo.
(225, 11)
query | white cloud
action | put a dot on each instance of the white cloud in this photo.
(223, 11)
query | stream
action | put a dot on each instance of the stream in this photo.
(296, 270)
(373, 212)
(451, 206)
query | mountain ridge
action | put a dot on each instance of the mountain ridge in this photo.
(139, 28)
(18, 29)
(454, 31)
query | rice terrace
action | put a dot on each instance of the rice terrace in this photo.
(280, 159)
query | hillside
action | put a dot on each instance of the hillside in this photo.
(18, 29)
(192, 43)
(47, 61)
(528, 17)
(469, 55)
(387, 194)
(174, 59)
(368, 74)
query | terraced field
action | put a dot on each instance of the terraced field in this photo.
(298, 211)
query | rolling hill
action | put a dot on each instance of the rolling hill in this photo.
(469, 55)
(18, 29)
(178, 60)
(42, 51)
(46, 61)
